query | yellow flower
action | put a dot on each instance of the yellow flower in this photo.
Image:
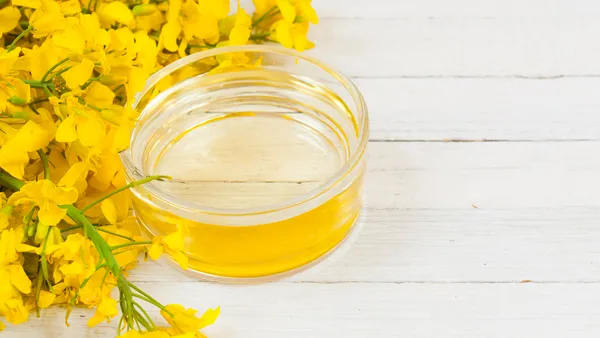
(70, 7)
(263, 6)
(5, 212)
(96, 37)
(9, 240)
(185, 321)
(27, 3)
(47, 19)
(14, 154)
(53, 243)
(75, 260)
(173, 244)
(240, 33)
(170, 34)
(39, 59)
(14, 93)
(109, 209)
(136, 81)
(305, 9)
(146, 51)
(14, 310)
(70, 39)
(72, 247)
(79, 74)
(13, 280)
(153, 21)
(152, 334)
(287, 9)
(75, 176)
(48, 197)
(106, 310)
(291, 35)
(115, 12)
(99, 95)
(46, 299)
(122, 40)
(89, 130)
(219, 9)
(8, 59)
(9, 19)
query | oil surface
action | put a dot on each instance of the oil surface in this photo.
(254, 151)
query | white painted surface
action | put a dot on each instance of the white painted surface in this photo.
(451, 229)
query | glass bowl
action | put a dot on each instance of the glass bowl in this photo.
(265, 147)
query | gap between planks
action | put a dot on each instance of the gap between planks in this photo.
(377, 282)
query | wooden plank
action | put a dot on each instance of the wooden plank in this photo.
(370, 310)
(481, 47)
(477, 109)
(392, 9)
(455, 212)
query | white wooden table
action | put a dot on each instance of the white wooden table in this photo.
(483, 192)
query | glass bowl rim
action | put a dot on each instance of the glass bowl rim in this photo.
(135, 173)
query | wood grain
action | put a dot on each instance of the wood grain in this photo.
(456, 47)
(483, 109)
(369, 310)
(394, 9)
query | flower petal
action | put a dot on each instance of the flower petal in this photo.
(51, 214)
(19, 279)
(91, 132)
(109, 209)
(66, 131)
(9, 19)
(79, 74)
(287, 10)
(46, 299)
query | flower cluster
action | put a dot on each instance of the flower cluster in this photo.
(69, 70)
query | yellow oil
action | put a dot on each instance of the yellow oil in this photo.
(262, 249)
(253, 151)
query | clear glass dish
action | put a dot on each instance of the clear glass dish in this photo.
(265, 147)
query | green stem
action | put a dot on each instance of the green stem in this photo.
(149, 298)
(137, 295)
(32, 107)
(34, 83)
(265, 16)
(63, 70)
(43, 260)
(77, 227)
(10, 182)
(115, 234)
(19, 37)
(44, 159)
(89, 82)
(104, 249)
(38, 288)
(46, 91)
(71, 228)
(53, 68)
(29, 216)
(82, 101)
(124, 245)
(140, 318)
(125, 187)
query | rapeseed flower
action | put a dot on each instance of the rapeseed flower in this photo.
(69, 73)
